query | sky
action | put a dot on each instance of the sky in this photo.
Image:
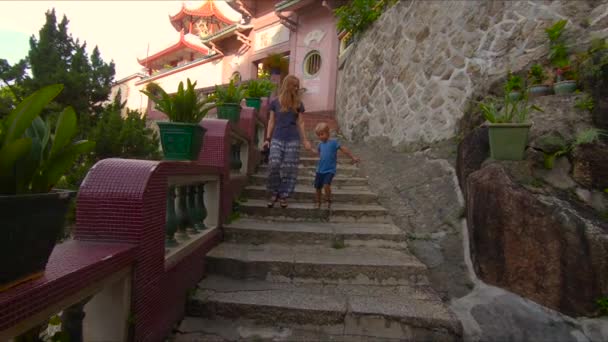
(121, 29)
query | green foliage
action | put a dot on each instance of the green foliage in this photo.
(338, 244)
(127, 137)
(514, 83)
(588, 136)
(183, 106)
(537, 75)
(584, 103)
(57, 58)
(507, 110)
(554, 33)
(562, 147)
(259, 88)
(228, 94)
(558, 50)
(593, 66)
(602, 305)
(274, 61)
(32, 159)
(357, 15)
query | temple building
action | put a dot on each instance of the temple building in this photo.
(216, 41)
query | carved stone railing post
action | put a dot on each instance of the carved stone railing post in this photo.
(200, 204)
(235, 156)
(71, 320)
(183, 220)
(171, 220)
(194, 213)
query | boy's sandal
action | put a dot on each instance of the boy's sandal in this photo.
(272, 201)
(283, 202)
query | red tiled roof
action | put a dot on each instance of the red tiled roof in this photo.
(181, 44)
(207, 9)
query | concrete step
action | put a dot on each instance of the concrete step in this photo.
(302, 193)
(337, 183)
(298, 211)
(251, 231)
(310, 263)
(346, 312)
(304, 153)
(313, 160)
(196, 329)
(310, 170)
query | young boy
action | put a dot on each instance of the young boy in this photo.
(328, 160)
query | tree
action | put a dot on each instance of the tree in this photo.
(116, 136)
(56, 57)
(11, 92)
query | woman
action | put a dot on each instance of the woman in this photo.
(285, 133)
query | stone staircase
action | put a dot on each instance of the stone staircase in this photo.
(303, 274)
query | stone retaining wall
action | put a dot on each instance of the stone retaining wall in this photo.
(410, 76)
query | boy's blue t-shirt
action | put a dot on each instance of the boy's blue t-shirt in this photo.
(328, 156)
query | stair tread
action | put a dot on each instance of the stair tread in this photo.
(312, 178)
(315, 254)
(315, 227)
(402, 302)
(309, 205)
(340, 166)
(344, 190)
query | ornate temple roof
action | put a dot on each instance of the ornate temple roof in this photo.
(189, 42)
(220, 10)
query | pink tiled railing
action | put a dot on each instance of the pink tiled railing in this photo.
(118, 258)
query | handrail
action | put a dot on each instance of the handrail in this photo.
(118, 273)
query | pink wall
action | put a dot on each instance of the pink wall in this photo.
(321, 88)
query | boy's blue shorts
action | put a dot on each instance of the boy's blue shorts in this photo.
(323, 179)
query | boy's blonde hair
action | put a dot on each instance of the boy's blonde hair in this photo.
(321, 127)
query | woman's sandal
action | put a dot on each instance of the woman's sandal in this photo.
(283, 202)
(272, 201)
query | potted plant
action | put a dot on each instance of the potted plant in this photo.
(181, 137)
(508, 127)
(565, 82)
(537, 77)
(32, 160)
(255, 90)
(228, 100)
(514, 86)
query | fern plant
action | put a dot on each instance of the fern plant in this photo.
(183, 106)
(509, 111)
(514, 83)
(230, 94)
(537, 75)
(259, 88)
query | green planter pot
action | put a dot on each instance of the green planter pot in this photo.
(508, 141)
(515, 95)
(564, 87)
(254, 102)
(181, 141)
(31, 225)
(539, 90)
(229, 111)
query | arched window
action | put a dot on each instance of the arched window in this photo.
(312, 63)
(236, 77)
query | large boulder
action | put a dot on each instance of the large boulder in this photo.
(473, 150)
(590, 167)
(535, 245)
